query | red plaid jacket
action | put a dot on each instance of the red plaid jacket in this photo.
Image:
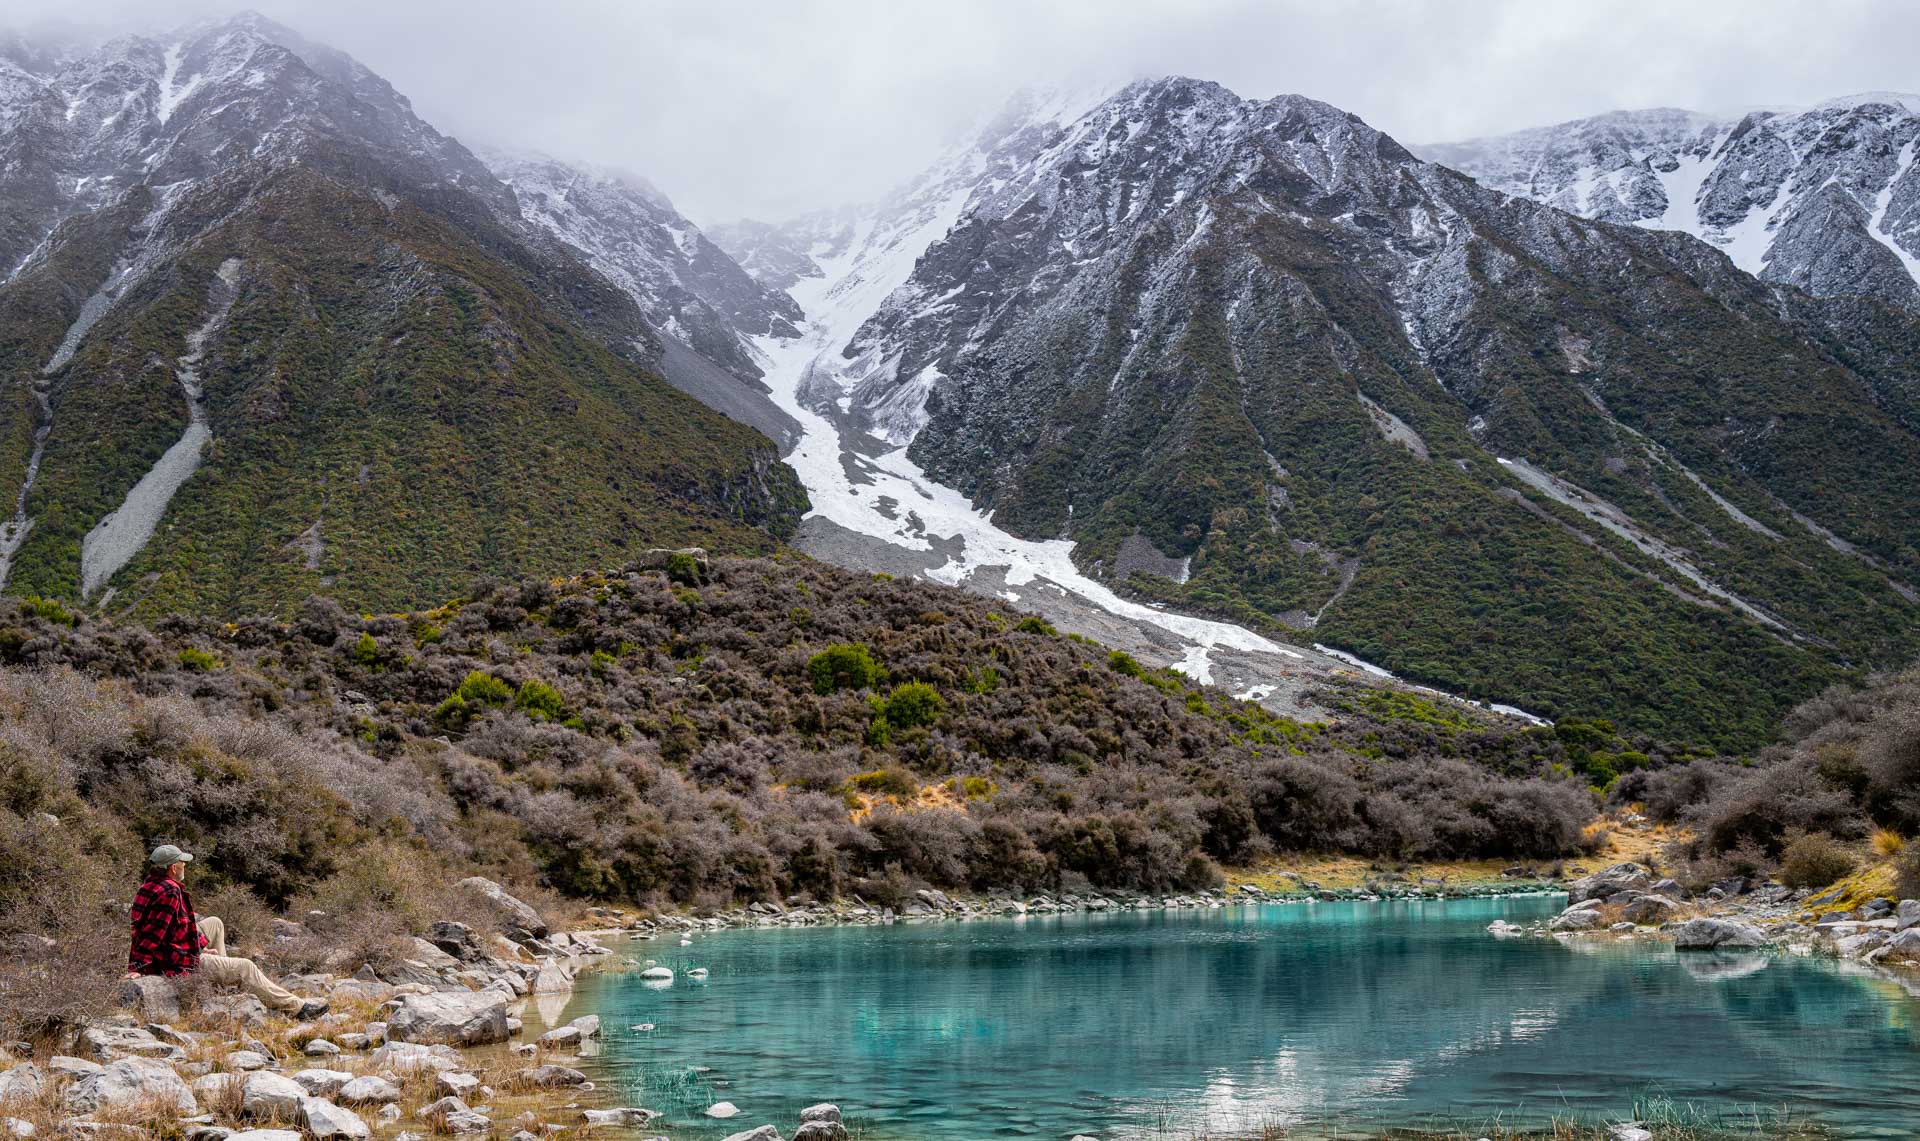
(166, 932)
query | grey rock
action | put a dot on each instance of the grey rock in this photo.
(825, 1111)
(820, 1131)
(547, 1077)
(515, 917)
(267, 1135)
(369, 1089)
(244, 1009)
(246, 1061)
(1577, 919)
(457, 940)
(1907, 914)
(561, 1036)
(1709, 934)
(1611, 881)
(22, 1083)
(627, 1118)
(1651, 910)
(471, 1018)
(107, 1043)
(156, 997)
(270, 1096)
(323, 1119)
(129, 1082)
(322, 1083)
(763, 1133)
(320, 1048)
(67, 1067)
(455, 1084)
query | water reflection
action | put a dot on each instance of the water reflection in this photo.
(1121, 1025)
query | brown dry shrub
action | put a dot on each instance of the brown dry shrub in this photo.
(1815, 860)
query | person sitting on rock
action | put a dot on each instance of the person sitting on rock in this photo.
(169, 939)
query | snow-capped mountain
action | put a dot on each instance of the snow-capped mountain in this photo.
(684, 284)
(1258, 350)
(263, 331)
(1826, 199)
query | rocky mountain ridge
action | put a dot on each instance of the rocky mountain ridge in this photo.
(1826, 198)
(1325, 378)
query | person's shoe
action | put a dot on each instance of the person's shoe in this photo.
(311, 1009)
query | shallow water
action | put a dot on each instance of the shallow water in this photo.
(1163, 1024)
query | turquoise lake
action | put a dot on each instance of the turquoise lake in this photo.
(1337, 1017)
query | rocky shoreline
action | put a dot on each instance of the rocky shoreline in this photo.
(1627, 901)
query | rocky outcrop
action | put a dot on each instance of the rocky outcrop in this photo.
(1708, 934)
(1619, 879)
(520, 922)
(128, 1083)
(454, 1018)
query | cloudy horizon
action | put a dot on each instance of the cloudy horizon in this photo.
(737, 109)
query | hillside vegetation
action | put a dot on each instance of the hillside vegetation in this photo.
(695, 733)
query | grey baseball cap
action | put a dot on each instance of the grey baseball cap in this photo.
(167, 855)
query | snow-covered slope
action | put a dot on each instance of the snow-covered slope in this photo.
(1827, 198)
(625, 228)
(873, 506)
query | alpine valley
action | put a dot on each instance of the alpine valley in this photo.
(1616, 419)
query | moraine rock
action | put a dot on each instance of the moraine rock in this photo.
(108, 1043)
(721, 1110)
(561, 1036)
(455, 1084)
(520, 921)
(267, 1135)
(246, 1061)
(763, 1133)
(369, 1089)
(156, 997)
(1577, 919)
(1622, 877)
(549, 1077)
(630, 1118)
(588, 1025)
(457, 940)
(130, 1082)
(322, 1083)
(1651, 910)
(240, 1008)
(1709, 934)
(1907, 914)
(320, 1048)
(22, 1083)
(17, 1127)
(323, 1119)
(270, 1096)
(66, 1067)
(820, 1131)
(472, 1018)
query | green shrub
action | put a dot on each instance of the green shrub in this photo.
(454, 713)
(986, 679)
(49, 609)
(846, 665)
(887, 782)
(365, 651)
(683, 568)
(913, 704)
(198, 660)
(539, 700)
(482, 688)
(1122, 662)
(602, 662)
(1815, 860)
(1032, 624)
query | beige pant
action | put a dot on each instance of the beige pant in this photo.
(222, 969)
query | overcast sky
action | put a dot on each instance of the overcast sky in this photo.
(767, 109)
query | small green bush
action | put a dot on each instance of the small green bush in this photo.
(365, 651)
(49, 609)
(913, 704)
(1035, 625)
(539, 700)
(198, 660)
(846, 665)
(454, 713)
(1122, 662)
(986, 679)
(683, 568)
(482, 688)
(603, 661)
(887, 782)
(1814, 861)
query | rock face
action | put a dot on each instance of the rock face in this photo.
(1712, 934)
(131, 1082)
(520, 922)
(1827, 199)
(452, 1017)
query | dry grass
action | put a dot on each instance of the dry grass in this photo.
(1887, 843)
